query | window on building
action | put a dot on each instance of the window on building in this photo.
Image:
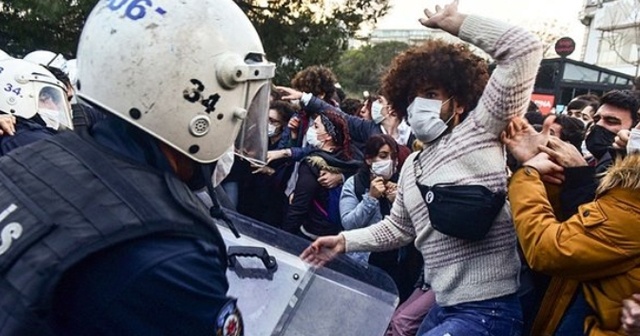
(619, 47)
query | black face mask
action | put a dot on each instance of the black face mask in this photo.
(599, 141)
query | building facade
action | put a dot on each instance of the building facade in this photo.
(612, 34)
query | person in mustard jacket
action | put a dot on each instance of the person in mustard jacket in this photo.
(597, 249)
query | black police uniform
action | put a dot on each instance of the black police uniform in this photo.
(100, 238)
(27, 132)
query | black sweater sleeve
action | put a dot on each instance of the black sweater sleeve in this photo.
(579, 187)
(305, 190)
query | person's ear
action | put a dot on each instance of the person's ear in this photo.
(458, 108)
(369, 162)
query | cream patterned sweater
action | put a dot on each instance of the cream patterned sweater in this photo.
(462, 271)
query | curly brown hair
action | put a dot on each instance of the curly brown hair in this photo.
(451, 67)
(316, 80)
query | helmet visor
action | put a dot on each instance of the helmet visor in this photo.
(53, 106)
(251, 143)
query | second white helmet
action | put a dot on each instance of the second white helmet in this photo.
(29, 89)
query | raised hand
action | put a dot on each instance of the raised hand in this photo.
(446, 18)
(522, 140)
(563, 153)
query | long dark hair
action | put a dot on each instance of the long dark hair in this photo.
(375, 142)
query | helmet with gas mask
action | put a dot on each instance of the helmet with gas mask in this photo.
(192, 76)
(29, 89)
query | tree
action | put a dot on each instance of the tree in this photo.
(548, 31)
(55, 25)
(361, 69)
(295, 33)
(300, 33)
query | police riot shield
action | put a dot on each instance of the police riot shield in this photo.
(279, 294)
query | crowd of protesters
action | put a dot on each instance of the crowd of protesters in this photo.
(415, 180)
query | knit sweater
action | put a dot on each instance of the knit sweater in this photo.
(462, 271)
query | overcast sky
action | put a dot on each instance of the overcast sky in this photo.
(405, 13)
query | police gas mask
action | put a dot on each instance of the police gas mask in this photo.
(31, 90)
(599, 140)
(424, 117)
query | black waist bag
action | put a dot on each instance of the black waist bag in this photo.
(462, 211)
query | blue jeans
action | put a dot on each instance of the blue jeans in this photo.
(500, 316)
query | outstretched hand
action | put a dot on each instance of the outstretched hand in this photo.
(323, 250)
(446, 18)
(289, 93)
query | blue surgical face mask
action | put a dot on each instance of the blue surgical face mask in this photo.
(376, 112)
(424, 117)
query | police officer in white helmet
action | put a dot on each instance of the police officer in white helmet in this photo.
(33, 104)
(105, 236)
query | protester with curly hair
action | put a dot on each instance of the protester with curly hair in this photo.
(314, 210)
(317, 80)
(469, 249)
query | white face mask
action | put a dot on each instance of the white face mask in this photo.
(271, 130)
(376, 112)
(51, 118)
(424, 117)
(633, 146)
(312, 137)
(384, 168)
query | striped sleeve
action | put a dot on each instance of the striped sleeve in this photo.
(393, 231)
(517, 54)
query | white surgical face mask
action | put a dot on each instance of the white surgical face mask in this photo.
(383, 168)
(424, 117)
(271, 130)
(633, 146)
(51, 117)
(376, 112)
(312, 137)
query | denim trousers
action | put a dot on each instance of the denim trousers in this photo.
(500, 317)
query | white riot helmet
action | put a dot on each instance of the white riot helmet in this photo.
(72, 69)
(29, 89)
(191, 73)
(4, 55)
(48, 58)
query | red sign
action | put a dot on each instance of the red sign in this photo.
(565, 46)
(545, 102)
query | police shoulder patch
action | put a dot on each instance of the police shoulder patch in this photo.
(229, 320)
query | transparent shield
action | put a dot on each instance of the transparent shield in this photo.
(251, 143)
(289, 297)
(53, 106)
